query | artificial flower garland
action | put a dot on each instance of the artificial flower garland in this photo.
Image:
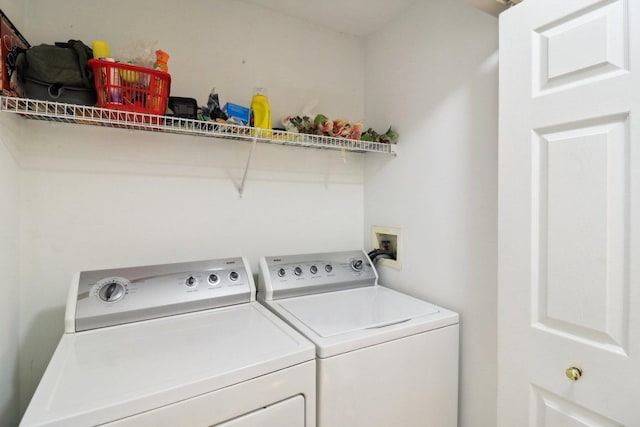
(341, 128)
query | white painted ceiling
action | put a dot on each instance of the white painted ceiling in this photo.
(356, 17)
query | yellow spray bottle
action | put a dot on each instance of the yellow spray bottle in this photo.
(260, 112)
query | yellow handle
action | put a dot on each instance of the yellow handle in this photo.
(573, 373)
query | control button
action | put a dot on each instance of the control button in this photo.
(313, 269)
(281, 272)
(214, 279)
(233, 276)
(191, 281)
(357, 265)
(297, 271)
(328, 268)
(111, 291)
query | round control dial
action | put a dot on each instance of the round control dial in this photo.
(357, 265)
(328, 268)
(214, 279)
(297, 271)
(233, 276)
(313, 269)
(191, 281)
(281, 272)
(112, 289)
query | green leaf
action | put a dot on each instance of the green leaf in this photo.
(320, 118)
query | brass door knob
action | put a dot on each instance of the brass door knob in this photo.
(573, 373)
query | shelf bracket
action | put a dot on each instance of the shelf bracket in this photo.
(246, 169)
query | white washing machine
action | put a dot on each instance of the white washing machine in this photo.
(383, 358)
(175, 345)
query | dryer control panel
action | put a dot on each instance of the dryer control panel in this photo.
(294, 275)
(103, 298)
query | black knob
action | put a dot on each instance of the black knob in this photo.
(213, 279)
(357, 264)
(297, 271)
(233, 276)
(281, 272)
(313, 269)
(328, 268)
(111, 292)
(191, 281)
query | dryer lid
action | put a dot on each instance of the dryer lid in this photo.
(105, 374)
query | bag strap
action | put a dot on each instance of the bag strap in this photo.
(84, 53)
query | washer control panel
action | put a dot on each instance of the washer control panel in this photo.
(294, 275)
(103, 298)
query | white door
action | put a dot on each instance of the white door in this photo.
(569, 214)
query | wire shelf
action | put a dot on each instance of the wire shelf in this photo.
(86, 115)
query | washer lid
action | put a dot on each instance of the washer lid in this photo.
(105, 374)
(351, 319)
(336, 313)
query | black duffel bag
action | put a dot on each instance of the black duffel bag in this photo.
(57, 73)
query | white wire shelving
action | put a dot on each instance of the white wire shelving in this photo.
(86, 115)
(96, 116)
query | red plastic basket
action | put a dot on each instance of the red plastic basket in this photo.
(131, 88)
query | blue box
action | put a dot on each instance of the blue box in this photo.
(237, 111)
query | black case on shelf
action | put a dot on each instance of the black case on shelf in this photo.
(186, 108)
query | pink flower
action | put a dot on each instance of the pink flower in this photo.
(326, 127)
(341, 128)
(356, 131)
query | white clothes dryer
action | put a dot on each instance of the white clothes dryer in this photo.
(383, 357)
(174, 345)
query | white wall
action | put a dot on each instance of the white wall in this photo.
(230, 45)
(98, 198)
(10, 129)
(433, 74)
(9, 271)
